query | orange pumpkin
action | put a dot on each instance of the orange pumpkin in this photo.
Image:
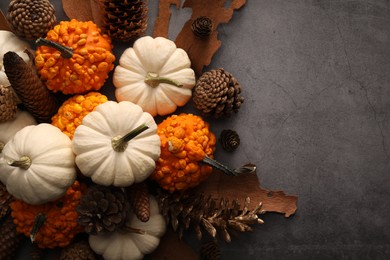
(75, 57)
(52, 224)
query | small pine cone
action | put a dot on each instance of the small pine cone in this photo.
(9, 239)
(5, 200)
(229, 140)
(202, 26)
(124, 20)
(217, 93)
(8, 104)
(139, 200)
(210, 250)
(77, 251)
(31, 19)
(37, 99)
(103, 209)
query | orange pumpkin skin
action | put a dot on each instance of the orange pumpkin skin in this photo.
(185, 141)
(61, 218)
(89, 66)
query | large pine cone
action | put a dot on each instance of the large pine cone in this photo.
(9, 239)
(125, 20)
(31, 19)
(102, 210)
(8, 104)
(217, 93)
(5, 200)
(77, 251)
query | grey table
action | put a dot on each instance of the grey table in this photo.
(316, 81)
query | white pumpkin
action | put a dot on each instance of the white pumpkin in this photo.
(9, 128)
(104, 154)
(10, 42)
(154, 74)
(135, 241)
(39, 164)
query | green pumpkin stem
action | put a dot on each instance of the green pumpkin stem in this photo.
(39, 220)
(66, 52)
(245, 169)
(119, 144)
(153, 80)
(24, 162)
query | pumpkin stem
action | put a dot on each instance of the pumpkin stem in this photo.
(134, 230)
(38, 223)
(245, 169)
(1, 146)
(24, 162)
(119, 144)
(66, 52)
(153, 80)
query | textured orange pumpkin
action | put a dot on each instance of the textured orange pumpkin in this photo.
(185, 142)
(79, 62)
(59, 218)
(72, 111)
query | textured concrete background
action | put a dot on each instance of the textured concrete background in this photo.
(315, 77)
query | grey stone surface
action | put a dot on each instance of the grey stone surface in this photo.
(316, 82)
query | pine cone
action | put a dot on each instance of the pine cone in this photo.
(9, 239)
(8, 104)
(205, 214)
(124, 20)
(229, 140)
(217, 93)
(209, 250)
(202, 26)
(31, 19)
(5, 200)
(102, 210)
(139, 200)
(36, 253)
(37, 99)
(77, 251)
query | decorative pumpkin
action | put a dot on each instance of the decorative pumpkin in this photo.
(10, 42)
(9, 128)
(155, 75)
(117, 144)
(135, 240)
(185, 141)
(72, 111)
(53, 224)
(39, 164)
(76, 57)
(187, 147)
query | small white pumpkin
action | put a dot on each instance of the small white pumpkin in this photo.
(39, 164)
(10, 42)
(135, 240)
(154, 74)
(9, 128)
(106, 155)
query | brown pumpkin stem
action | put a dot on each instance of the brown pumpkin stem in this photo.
(1, 146)
(38, 223)
(66, 52)
(24, 162)
(153, 80)
(134, 230)
(245, 169)
(119, 144)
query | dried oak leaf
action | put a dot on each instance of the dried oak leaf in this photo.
(3, 22)
(85, 10)
(161, 25)
(200, 50)
(219, 186)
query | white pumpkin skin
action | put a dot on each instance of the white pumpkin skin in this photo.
(9, 128)
(52, 170)
(10, 42)
(161, 57)
(131, 246)
(95, 155)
